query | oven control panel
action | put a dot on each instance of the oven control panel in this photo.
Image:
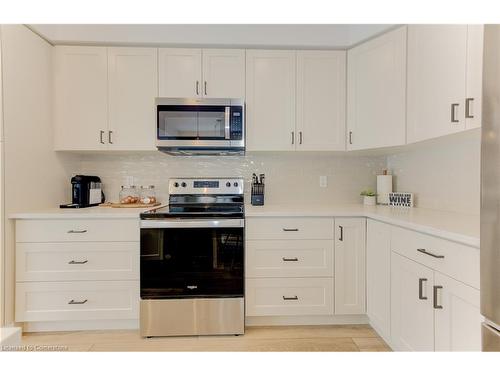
(222, 185)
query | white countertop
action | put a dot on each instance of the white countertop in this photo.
(453, 226)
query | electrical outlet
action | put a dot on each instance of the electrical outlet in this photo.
(323, 181)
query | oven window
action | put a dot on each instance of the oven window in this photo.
(192, 262)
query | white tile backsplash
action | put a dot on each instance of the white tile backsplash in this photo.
(290, 177)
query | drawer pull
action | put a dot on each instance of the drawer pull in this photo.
(78, 262)
(436, 289)
(290, 259)
(423, 251)
(421, 288)
(77, 231)
(290, 229)
(73, 302)
(294, 298)
(341, 238)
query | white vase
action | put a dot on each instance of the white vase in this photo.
(369, 201)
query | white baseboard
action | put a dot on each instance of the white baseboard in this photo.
(81, 325)
(381, 334)
(304, 320)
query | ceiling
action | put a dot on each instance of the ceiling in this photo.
(285, 36)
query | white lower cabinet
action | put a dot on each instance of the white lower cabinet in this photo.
(350, 274)
(457, 317)
(412, 314)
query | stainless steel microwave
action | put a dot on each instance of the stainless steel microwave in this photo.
(200, 126)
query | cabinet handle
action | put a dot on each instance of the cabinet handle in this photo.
(468, 102)
(101, 136)
(73, 302)
(290, 229)
(350, 137)
(290, 259)
(293, 138)
(78, 262)
(110, 133)
(341, 233)
(205, 87)
(77, 231)
(421, 288)
(197, 87)
(453, 110)
(294, 298)
(300, 137)
(435, 295)
(423, 251)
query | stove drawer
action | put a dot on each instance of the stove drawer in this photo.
(286, 228)
(289, 258)
(76, 300)
(289, 296)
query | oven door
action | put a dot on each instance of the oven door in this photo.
(184, 258)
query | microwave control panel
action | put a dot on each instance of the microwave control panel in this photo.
(236, 122)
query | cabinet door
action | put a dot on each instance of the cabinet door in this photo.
(133, 87)
(376, 89)
(224, 73)
(321, 100)
(473, 102)
(180, 72)
(270, 100)
(457, 315)
(80, 98)
(412, 314)
(436, 80)
(350, 265)
(378, 276)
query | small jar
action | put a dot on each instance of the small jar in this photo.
(129, 195)
(148, 194)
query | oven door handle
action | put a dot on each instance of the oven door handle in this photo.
(186, 223)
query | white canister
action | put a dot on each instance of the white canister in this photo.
(384, 187)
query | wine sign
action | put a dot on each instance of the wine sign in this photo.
(401, 199)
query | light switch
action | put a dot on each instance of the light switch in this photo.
(323, 181)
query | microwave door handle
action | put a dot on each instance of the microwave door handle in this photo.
(227, 128)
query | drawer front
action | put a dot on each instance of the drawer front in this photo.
(281, 228)
(60, 261)
(77, 300)
(289, 296)
(289, 258)
(77, 230)
(456, 260)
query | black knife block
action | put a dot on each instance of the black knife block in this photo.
(257, 196)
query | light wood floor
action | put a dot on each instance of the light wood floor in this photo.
(290, 338)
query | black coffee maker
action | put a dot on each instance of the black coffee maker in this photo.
(86, 191)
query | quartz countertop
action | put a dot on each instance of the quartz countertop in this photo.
(82, 213)
(462, 228)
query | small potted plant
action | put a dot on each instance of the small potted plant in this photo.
(369, 197)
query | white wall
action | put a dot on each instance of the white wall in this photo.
(36, 177)
(290, 177)
(444, 173)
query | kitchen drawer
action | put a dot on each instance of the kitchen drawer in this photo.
(289, 296)
(289, 258)
(460, 262)
(59, 261)
(284, 228)
(77, 230)
(51, 301)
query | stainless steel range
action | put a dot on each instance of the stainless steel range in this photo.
(192, 260)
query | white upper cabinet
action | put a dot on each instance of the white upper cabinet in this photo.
(473, 101)
(376, 90)
(321, 100)
(270, 100)
(350, 266)
(80, 98)
(180, 73)
(437, 56)
(133, 87)
(223, 73)
(378, 276)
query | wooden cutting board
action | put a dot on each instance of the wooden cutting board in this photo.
(129, 205)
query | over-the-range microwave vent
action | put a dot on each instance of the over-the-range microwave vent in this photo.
(202, 151)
